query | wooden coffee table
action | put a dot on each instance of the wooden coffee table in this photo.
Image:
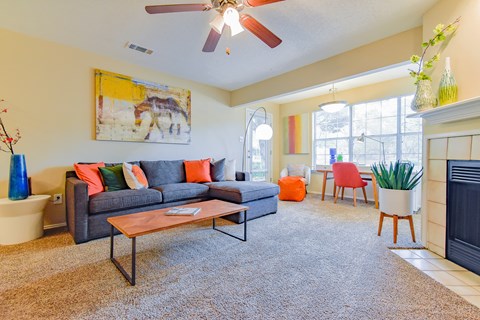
(142, 223)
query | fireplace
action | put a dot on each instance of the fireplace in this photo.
(463, 214)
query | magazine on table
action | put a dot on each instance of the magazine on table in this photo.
(176, 211)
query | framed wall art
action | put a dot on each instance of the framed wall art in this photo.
(129, 109)
(295, 130)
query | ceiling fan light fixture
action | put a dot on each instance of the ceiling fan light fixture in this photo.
(218, 23)
(231, 16)
(236, 28)
(232, 19)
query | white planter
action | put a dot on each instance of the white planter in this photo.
(396, 202)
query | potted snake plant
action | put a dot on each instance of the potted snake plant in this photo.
(396, 182)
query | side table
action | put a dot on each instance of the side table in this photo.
(22, 220)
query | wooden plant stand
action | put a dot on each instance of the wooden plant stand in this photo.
(395, 224)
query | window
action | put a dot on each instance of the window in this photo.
(382, 120)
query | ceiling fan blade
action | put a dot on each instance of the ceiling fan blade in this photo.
(260, 30)
(168, 8)
(257, 3)
(212, 41)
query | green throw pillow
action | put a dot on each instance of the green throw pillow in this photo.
(113, 178)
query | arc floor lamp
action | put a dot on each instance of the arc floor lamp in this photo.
(362, 138)
(262, 132)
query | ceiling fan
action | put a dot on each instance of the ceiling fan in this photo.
(228, 15)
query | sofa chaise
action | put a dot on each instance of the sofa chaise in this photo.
(87, 215)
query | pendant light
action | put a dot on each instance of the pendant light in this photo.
(334, 105)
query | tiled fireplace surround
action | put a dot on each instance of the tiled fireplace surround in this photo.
(438, 149)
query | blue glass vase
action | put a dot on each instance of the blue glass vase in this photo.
(333, 153)
(18, 183)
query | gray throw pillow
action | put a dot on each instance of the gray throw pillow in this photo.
(217, 170)
(296, 170)
(163, 171)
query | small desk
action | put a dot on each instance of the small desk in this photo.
(369, 173)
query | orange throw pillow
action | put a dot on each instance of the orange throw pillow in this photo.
(91, 175)
(198, 170)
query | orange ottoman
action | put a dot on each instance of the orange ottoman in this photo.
(292, 188)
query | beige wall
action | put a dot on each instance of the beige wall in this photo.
(396, 87)
(379, 54)
(50, 91)
(463, 49)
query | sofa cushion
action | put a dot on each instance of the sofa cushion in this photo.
(242, 191)
(90, 174)
(112, 178)
(217, 170)
(123, 199)
(230, 169)
(163, 172)
(134, 176)
(182, 191)
(197, 170)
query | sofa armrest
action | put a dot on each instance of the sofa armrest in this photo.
(242, 176)
(76, 201)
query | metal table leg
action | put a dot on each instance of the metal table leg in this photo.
(130, 279)
(231, 235)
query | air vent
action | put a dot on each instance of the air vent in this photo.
(138, 48)
(465, 174)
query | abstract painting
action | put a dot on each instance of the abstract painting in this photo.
(295, 131)
(129, 109)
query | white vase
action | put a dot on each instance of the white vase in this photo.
(424, 98)
(396, 202)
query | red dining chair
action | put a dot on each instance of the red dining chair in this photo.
(346, 175)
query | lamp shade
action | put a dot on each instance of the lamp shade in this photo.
(231, 19)
(218, 23)
(264, 132)
(333, 106)
(236, 28)
(230, 16)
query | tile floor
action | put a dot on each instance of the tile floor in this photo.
(456, 278)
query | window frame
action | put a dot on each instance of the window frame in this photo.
(400, 134)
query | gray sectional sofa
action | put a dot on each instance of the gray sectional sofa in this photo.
(87, 216)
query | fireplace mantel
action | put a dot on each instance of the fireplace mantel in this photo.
(462, 110)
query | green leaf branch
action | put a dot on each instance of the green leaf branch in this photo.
(441, 32)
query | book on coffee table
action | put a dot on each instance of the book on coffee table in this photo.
(175, 211)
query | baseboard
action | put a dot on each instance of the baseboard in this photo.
(56, 225)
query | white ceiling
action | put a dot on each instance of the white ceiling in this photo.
(311, 31)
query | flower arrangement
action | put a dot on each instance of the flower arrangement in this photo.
(440, 34)
(8, 140)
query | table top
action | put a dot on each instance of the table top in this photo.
(33, 198)
(361, 171)
(141, 223)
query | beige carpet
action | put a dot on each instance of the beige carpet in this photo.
(311, 260)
